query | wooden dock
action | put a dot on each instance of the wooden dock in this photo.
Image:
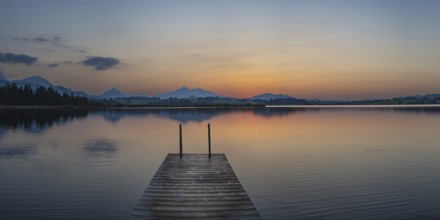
(195, 187)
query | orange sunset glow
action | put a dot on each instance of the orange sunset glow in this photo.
(320, 49)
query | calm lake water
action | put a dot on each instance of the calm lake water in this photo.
(295, 163)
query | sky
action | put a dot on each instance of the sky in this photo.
(328, 49)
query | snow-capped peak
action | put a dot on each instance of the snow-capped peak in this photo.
(111, 93)
(37, 80)
(185, 92)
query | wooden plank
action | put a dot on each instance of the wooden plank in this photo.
(195, 187)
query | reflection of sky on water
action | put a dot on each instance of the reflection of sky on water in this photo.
(19, 150)
(100, 147)
(38, 120)
(183, 115)
(198, 115)
(291, 161)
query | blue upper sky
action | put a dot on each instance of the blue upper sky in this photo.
(310, 48)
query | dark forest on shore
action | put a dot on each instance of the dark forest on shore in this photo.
(11, 94)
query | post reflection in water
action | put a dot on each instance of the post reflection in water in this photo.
(295, 163)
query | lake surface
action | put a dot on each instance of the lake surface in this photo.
(295, 163)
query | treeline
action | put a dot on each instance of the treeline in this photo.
(179, 102)
(11, 94)
(398, 101)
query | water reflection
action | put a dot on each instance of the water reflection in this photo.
(281, 112)
(37, 120)
(198, 115)
(428, 109)
(181, 115)
(101, 147)
(295, 163)
(412, 110)
(18, 150)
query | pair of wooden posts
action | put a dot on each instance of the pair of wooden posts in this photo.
(209, 140)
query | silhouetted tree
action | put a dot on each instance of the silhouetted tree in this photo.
(11, 94)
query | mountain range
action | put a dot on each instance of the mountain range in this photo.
(185, 93)
(181, 93)
(36, 81)
(269, 96)
(111, 94)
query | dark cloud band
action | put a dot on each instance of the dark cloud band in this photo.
(101, 63)
(54, 41)
(38, 39)
(12, 58)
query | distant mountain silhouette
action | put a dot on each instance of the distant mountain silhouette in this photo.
(111, 94)
(34, 80)
(269, 96)
(185, 93)
(37, 81)
(429, 96)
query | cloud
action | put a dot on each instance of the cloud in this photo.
(55, 41)
(38, 39)
(79, 50)
(57, 64)
(101, 63)
(12, 58)
(53, 65)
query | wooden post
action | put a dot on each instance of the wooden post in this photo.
(209, 139)
(180, 132)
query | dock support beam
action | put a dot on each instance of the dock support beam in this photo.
(209, 139)
(180, 139)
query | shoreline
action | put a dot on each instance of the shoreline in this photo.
(64, 107)
(356, 106)
(73, 107)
